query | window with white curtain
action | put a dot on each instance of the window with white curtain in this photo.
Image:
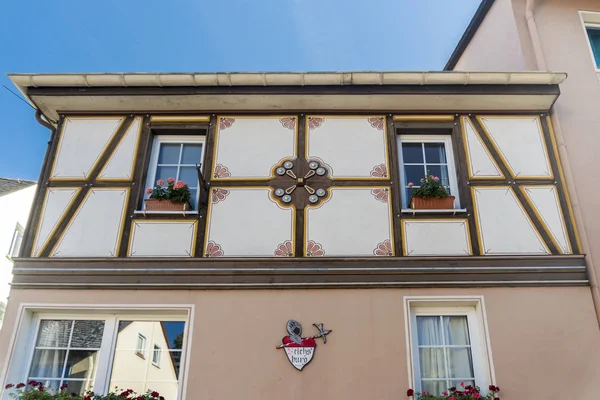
(448, 349)
(422, 155)
(102, 354)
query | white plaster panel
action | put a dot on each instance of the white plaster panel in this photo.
(95, 229)
(246, 222)
(481, 165)
(436, 237)
(351, 147)
(521, 143)
(504, 226)
(154, 238)
(120, 164)
(56, 202)
(82, 142)
(251, 147)
(545, 200)
(353, 222)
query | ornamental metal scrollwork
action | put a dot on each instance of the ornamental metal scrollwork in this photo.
(300, 182)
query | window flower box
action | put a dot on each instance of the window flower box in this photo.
(432, 203)
(165, 205)
(430, 195)
(174, 197)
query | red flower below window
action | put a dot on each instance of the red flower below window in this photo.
(225, 123)
(284, 249)
(214, 250)
(314, 249)
(384, 249)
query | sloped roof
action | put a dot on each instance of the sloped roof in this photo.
(8, 186)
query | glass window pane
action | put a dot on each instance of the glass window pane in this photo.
(50, 385)
(193, 193)
(456, 330)
(87, 334)
(192, 154)
(594, 36)
(79, 388)
(435, 170)
(48, 364)
(412, 153)
(428, 331)
(174, 331)
(189, 175)
(408, 194)
(81, 364)
(54, 333)
(460, 363)
(413, 173)
(165, 173)
(169, 153)
(432, 363)
(434, 387)
(457, 383)
(435, 153)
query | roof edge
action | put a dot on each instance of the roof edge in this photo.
(472, 28)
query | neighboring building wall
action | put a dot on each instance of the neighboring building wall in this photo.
(542, 340)
(14, 208)
(496, 45)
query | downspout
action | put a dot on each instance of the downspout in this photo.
(541, 65)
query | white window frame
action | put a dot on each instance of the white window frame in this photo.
(418, 138)
(19, 231)
(590, 19)
(185, 139)
(140, 349)
(156, 353)
(22, 345)
(473, 309)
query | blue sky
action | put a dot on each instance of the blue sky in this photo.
(209, 36)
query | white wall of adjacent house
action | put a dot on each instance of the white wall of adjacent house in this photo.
(14, 209)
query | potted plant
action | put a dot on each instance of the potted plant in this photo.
(174, 197)
(33, 390)
(462, 393)
(430, 195)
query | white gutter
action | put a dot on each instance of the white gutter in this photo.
(535, 37)
(23, 81)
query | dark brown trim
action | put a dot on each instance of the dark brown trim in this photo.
(464, 41)
(539, 225)
(137, 188)
(458, 89)
(301, 273)
(466, 198)
(395, 189)
(560, 185)
(300, 210)
(207, 169)
(40, 194)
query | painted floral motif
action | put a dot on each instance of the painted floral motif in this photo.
(315, 122)
(381, 194)
(289, 123)
(284, 249)
(379, 171)
(225, 123)
(222, 172)
(314, 249)
(384, 249)
(214, 250)
(377, 122)
(219, 194)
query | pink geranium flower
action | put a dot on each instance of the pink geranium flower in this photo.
(149, 191)
(179, 185)
(160, 182)
(171, 180)
(410, 184)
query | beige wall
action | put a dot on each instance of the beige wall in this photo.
(496, 45)
(543, 340)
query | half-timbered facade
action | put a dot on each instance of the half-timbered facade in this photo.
(298, 182)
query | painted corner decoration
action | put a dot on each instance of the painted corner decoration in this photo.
(301, 350)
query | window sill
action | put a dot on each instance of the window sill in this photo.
(159, 212)
(454, 211)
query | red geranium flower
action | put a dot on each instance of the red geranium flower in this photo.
(20, 385)
(154, 394)
(8, 386)
(410, 392)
